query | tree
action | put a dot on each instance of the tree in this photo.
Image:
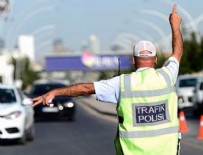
(26, 73)
(192, 55)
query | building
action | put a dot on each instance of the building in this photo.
(7, 69)
(94, 44)
(26, 46)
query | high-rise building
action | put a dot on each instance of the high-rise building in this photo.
(94, 44)
(26, 46)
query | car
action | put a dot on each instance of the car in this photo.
(185, 90)
(62, 107)
(16, 115)
(198, 98)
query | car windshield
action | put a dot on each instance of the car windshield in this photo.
(40, 89)
(7, 96)
(188, 82)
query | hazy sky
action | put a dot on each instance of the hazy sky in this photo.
(112, 21)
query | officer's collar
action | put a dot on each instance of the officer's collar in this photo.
(142, 68)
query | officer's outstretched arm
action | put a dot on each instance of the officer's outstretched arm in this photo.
(79, 89)
(177, 41)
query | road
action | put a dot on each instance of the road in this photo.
(190, 144)
(90, 134)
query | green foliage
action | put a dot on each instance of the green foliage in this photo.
(28, 75)
(192, 59)
(161, 58)
(24, 71)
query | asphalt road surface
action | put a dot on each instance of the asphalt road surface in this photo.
(90, 134)
(190, 144)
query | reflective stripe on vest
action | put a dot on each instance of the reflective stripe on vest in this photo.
(148, 93)
(148, 133)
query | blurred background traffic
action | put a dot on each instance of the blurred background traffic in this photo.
(47, 44)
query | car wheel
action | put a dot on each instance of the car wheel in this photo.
(31, 133)
(22, 140)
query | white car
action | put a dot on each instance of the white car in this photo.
(198, 98)
(185, 90)
(16, 115)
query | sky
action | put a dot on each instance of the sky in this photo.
(119, 22)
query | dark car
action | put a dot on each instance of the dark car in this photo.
(60, 107)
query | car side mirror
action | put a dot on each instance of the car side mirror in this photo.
(27, 101)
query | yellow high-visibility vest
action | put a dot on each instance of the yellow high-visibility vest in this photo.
(147, 112)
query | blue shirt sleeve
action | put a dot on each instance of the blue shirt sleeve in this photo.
(108, 90)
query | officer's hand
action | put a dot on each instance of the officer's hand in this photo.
(44, 99)
(175, 19)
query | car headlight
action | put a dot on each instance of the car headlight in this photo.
(69, 105)
(13, 115)
(180, 99)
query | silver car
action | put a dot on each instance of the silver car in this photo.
(198, 98)
(185, 90)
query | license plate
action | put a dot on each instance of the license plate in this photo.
(50, 109)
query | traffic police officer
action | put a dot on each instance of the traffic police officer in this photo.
(146, 99)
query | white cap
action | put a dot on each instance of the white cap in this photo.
(144, 46)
